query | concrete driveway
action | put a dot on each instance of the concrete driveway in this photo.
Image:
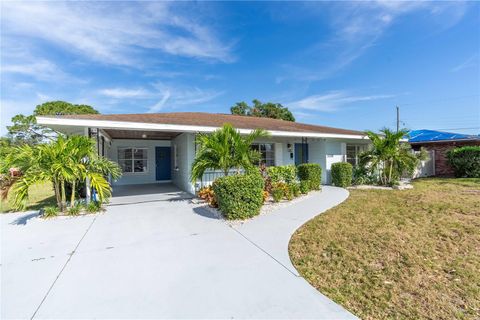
(159, 256)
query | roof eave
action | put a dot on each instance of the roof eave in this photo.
(127, 125)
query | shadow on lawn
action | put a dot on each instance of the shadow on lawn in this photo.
(49, 201)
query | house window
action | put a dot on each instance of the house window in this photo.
(267, 153)
(353, 151)
(133, 160)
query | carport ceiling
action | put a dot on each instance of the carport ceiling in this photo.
(141, 135)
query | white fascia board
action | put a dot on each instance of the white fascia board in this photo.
(124, 125)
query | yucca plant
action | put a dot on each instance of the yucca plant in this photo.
(225, 149)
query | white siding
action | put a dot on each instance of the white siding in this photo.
(143, 177)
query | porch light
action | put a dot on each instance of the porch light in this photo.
(144, 136)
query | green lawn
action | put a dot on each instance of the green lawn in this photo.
(411, 254)
(41, 195)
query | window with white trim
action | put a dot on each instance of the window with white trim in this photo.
(267, 153)
(133, 160)
(353, 152)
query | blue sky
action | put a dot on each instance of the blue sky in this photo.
(343, 64)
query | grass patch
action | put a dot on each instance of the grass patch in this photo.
(410, 254)
(41, 195)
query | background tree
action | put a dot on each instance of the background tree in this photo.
(24, 129)
(225, 149)
(263, 110)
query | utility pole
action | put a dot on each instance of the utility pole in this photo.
(398, 118)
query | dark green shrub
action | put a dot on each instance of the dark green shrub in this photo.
(342, 174)
(465, 161)
(294, 189)
(304, 186)
(239, 196)
(51, 211)
(311, 172)
(287, 174)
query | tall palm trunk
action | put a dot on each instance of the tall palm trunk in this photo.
(64, 196)
(56, 187)
(72, 197)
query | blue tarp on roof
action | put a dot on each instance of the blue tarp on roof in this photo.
(432, 135)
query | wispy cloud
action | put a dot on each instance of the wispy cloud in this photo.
(115, 33)
(41, 69)
(125, 93)
(471, 62)
(357, 27)
(332, 101)
(176, 96)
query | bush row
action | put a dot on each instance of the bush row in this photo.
(310, 174)
(342, 173)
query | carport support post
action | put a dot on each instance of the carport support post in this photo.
(88, 195)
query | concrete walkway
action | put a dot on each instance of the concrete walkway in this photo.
(159, 258)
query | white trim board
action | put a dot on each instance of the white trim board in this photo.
(108, 124)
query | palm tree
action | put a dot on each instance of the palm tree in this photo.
(63, 161)
(225, 149)
(389, 157)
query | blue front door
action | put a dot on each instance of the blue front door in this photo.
(301, 153)
(163, 163)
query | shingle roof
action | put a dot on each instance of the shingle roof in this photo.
(417, 136)
(215, 120)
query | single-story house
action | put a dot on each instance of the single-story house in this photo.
(438, 143)
(160, 147)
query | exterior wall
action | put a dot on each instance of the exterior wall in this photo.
(442, 168)
(184, 146)
(142, 177)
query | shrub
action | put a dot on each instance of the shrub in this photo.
(277, 194)
(93, 207)
(239, 196)
(51, 211)
(287, 174)
(361, 175)
(342, 174)
(75, 210)
(465, 161)
(294, 189)
(207, 194)
(304, 186)
(311, 172)
(265, 195)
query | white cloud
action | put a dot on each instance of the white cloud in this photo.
(175, 96)
(332, 101)
(41, 69)
(125, 93)
(114, 32)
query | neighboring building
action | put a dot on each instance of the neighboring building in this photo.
(438, 143)
(160, 147)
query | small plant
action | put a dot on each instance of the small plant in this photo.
(342, 174)
(207, 194)
(266, 194)
(93, 207)
(294, 189)
(304, 186)
(277, 194)
(75, 210)
(50, 211)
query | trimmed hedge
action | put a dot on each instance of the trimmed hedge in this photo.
(342, 174)
(239, 196)
(287, 174)
(311, 172)
(465, 161)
